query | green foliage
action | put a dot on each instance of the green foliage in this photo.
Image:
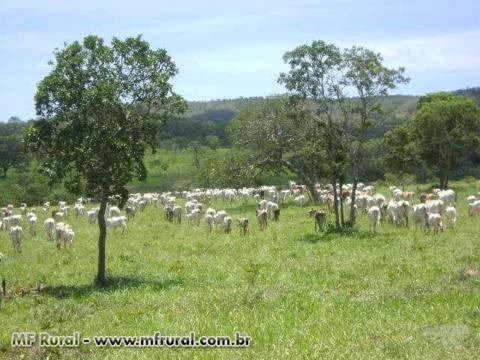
(444, 130)
(233, 168)
(324, 74)
(275, 131)
(12, 153)
(100, 108)
(213, 142)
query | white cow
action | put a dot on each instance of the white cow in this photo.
(49, 225)
(374, 214)
(450, 217)
(16, 234)
(118, 221)
(420, 216)
(435, 222)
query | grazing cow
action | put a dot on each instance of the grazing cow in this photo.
(300, 200)
(320, 217)
(447, 196)
(473, 207)
(434, 206)
(32, 223)
(244, 226)
(168, 213)
(130, 211)
(397, 212)
(227, 224)
(271, 208)
(435, 222)
(276, 214)
(209, 220)
(64, 233)
(114, 211)
(16, 234)
(219, 216)
(194, 216)
(118, 221)
(374, 214)
(177, 214)
(79, 210)
(262, 217)
(92, 215)
(450, 217)
(420, 216)
(49, 225)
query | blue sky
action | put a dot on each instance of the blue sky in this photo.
(229, 49)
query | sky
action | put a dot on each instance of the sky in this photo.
(231, 49)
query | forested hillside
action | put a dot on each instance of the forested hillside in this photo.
(196, 134)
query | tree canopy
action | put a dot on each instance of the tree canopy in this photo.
(344, 86)
(277, 135)
(443, 130)
(99, 107)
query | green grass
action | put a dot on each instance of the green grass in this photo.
(396, 294)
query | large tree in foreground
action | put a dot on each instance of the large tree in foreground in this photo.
(99, 106)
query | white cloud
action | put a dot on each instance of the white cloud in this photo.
(442, 52)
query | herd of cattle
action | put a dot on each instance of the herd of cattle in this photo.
(431, 212)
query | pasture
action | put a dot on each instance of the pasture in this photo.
(400, 293)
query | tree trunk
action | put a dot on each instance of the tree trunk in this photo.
(443, 177)
(312, 189)
(335, 205)
(101, 277)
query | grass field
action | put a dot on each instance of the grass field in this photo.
(397, 294)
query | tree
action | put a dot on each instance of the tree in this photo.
(443, 131)
(369, 80)
(232, 168)
(401, 155)
(277, 135)
(325, 74)
(11, 153)
(213, 142)
(197, 151)
(100, 106)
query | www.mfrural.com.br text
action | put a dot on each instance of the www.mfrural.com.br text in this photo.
(45, 339)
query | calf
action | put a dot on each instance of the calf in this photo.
(244, 226)
(227, 224)
(320, 217)
(262, 217)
